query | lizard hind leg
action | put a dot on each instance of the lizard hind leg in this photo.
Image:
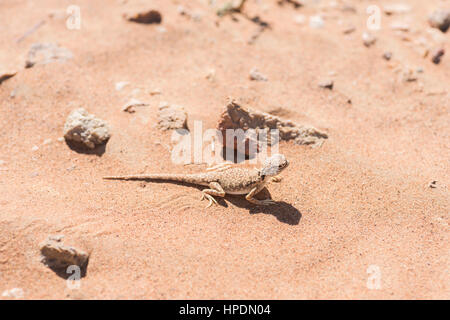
(215, 190)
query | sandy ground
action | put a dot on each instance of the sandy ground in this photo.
(358, 210)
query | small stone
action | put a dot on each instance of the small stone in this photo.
(85, 128)
(440, 19)
(154, 92)
(148, 17)
(396, 8)
(326, 84)
(60, 139)
(171, 117)
(56, 255)
(181, 10)
(47, 141)
(44, 53)
(433, 184)
(132, 103)
(368, 39)
(35, 148)
(316, 22)
(437, 55)
(256, 75)
(15, 293)
(387, 55)
(211, 74)
(230, 7)
(237, 117)
(120, 85)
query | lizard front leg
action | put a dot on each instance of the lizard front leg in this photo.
(216, 190)
(264, 202)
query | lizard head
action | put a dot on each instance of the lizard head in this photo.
(274, 165)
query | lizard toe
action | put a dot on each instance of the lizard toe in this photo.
(268, 202)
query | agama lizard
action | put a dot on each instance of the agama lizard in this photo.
(227, 180)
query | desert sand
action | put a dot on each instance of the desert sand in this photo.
(364, 216)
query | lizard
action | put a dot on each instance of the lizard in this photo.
(227, 180)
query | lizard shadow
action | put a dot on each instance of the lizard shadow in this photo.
(283, 211)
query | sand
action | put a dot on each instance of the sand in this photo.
(356, 218)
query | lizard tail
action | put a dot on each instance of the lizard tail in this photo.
(188, 178)
(155, 176)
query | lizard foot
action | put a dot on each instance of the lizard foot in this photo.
(210, 198)
(276, 179)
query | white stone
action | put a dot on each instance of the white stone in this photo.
(316, 22)
(16, 293)
(120, 85)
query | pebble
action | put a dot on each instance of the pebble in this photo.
(171, 117)
(437, 55)
(120, 85)
(440, 19)
(35, 148)
(368, 39)
(56, 255)
(387, 55)
(85, 128)
(316, 22)
(326, 84)
(154, 92)
(132, 103)
(211, 74)
(256, 75)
